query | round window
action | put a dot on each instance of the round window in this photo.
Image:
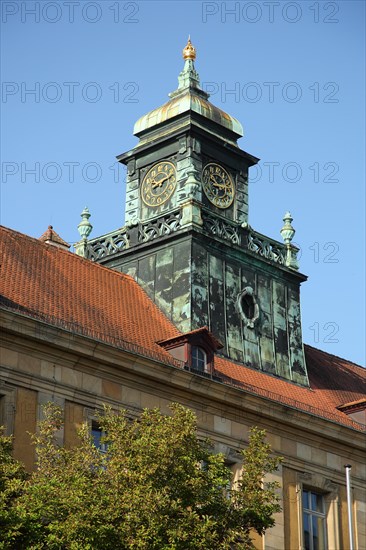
(247, 306)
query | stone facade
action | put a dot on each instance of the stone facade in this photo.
(42, 363)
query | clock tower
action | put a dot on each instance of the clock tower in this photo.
(187, 240)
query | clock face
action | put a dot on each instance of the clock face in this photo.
(218, 185)
(159, 183)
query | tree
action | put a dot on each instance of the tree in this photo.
(157, 487)
(12, 476)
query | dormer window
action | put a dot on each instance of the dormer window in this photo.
(196, 350)
(355, 410)
(198, 359)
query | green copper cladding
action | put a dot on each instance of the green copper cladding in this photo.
(287, 233)
(84, 228)
(187, 239)
(188, 78)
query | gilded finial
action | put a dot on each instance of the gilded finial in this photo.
(189, 52)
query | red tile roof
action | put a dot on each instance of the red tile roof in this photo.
(53, 283)
(57, 286)
(328, 388)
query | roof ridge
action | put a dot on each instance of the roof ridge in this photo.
(336, 356)
(112, 272)
(68, 252)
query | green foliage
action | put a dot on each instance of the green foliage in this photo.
(157, 487)
(12, 477)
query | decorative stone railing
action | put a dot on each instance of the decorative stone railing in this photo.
(267, 248)
(96, 249)
(221, 228)
(245, 237)
(130, 235)
(159, 227)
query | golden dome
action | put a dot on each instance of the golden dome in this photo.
(189, 100)
(187, 103)
(189, 52)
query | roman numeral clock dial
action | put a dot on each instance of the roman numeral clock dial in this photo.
(218, 185)
(159, 183)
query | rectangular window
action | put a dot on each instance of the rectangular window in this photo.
(235, 468)
(199, 359)
(7, 410)
(314, 521)
(97, 435)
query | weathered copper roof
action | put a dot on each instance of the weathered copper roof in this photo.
(69, 291)
(183, 104)
(189, 98)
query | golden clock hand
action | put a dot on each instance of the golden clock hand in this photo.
(222, 185)
(158, 183)
(212, 177)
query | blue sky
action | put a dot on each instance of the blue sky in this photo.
(291, 72)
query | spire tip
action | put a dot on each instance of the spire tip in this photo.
(189, 52)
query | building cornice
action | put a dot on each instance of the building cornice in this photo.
(238, 404)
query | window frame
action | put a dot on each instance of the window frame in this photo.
(319, 483)
(194, 360)
(94, 427)
(241, 301)
(7, 409)
(313, 513)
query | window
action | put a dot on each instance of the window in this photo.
(247, 306)
(97, 435)
(247, 303)
(7, 410)
(235, 468)
(314, 520)
(198, 359)
(235, 471)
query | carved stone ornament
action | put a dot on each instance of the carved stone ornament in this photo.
(221, 228)
(247, 306)
(331, 487)
(304, 477)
